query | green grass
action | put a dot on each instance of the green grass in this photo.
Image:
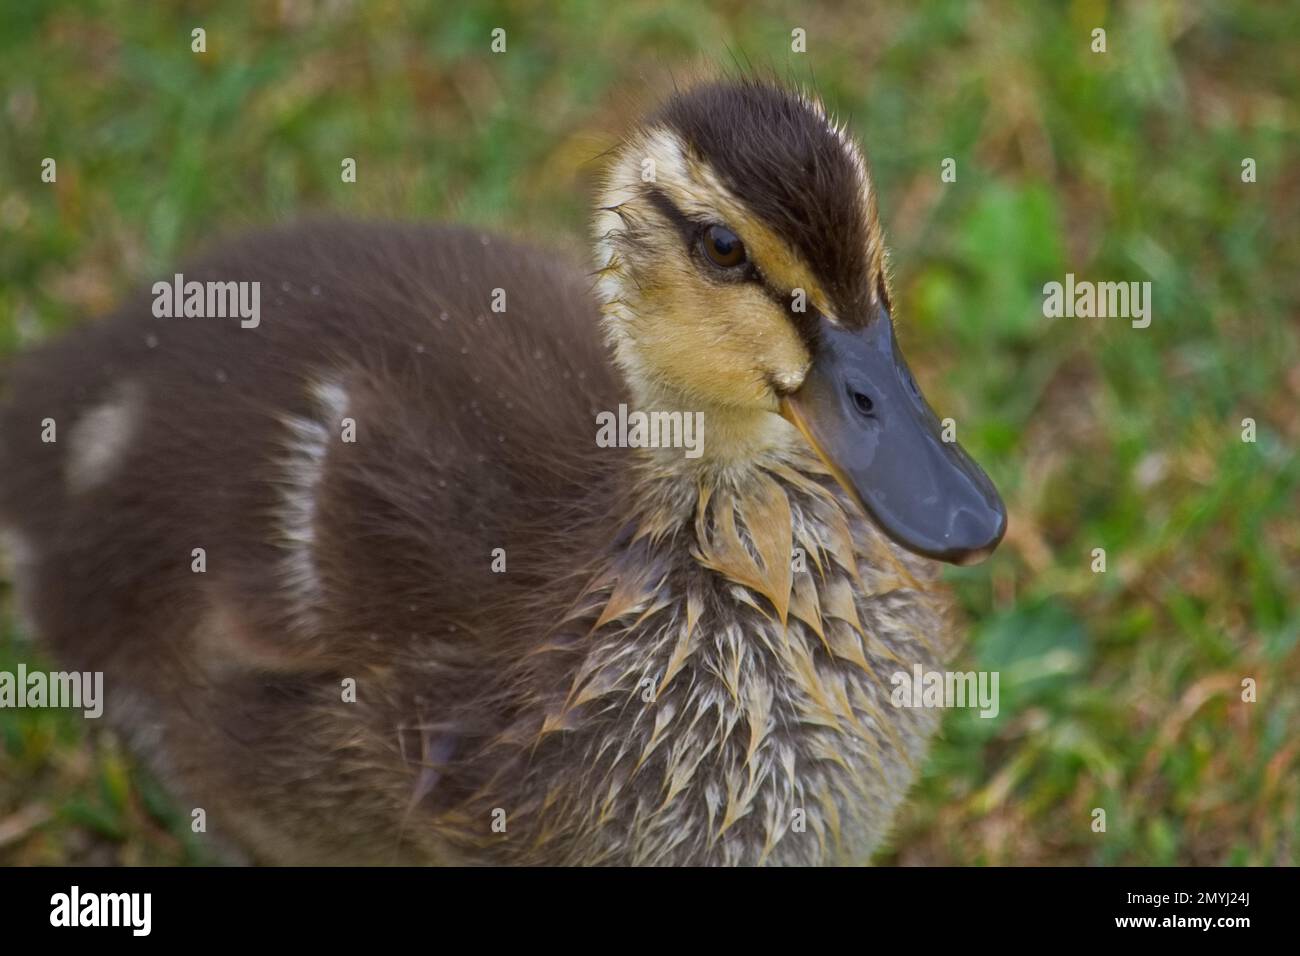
(1119, 690)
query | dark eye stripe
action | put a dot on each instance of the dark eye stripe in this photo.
(669, 211)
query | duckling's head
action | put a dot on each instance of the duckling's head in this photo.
(742, 274)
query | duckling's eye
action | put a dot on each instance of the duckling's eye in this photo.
(723, 247)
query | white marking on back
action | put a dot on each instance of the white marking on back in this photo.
(18, 564)
(99, 440)
(304, 467)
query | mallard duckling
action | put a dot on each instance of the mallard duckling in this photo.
(366, 588)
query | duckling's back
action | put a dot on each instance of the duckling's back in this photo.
(247, 521)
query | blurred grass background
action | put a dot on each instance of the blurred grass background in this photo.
(1119, 690)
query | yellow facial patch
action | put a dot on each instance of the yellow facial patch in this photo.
(674, 326)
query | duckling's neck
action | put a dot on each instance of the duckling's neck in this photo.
(732, 650)
(727, 441)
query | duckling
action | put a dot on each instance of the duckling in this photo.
(366, 588)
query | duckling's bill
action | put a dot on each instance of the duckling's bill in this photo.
(860, 410)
